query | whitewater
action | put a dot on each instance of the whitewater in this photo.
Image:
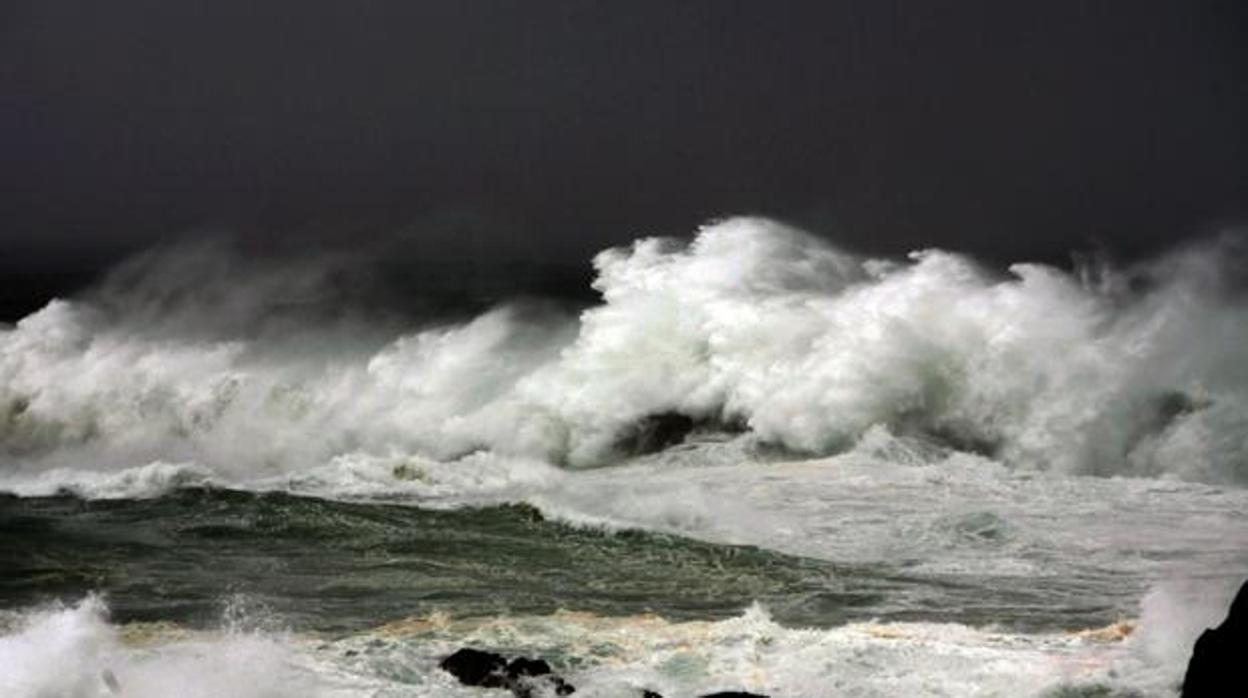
(759, 462)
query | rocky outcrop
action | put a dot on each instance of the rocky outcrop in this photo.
(721, 694)
(476, 668)
(524, 677)
(1218, 659)
(521, 676)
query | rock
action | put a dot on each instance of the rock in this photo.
(521, 676)
(476, 668)
(523, 666)
(1217, 659)
(521, 672)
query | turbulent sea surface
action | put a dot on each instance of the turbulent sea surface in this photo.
(759, 463)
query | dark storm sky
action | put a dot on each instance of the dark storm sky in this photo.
(550, 129)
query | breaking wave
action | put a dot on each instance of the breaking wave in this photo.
(205, 358)
(74, 651)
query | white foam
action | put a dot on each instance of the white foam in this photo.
(478, 478)
(140, 482)
(604, 656)
(809, 346)
(928, 513)
(73, 652)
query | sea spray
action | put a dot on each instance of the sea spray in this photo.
(75, 652)
(751, 323)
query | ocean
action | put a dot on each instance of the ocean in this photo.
(758, 463)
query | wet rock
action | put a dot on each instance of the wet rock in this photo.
(521, 676)
(562, 688)
(476, 668)
(1216, 666)
(523, 666)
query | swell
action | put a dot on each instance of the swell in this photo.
(750, 326)
(341, 566)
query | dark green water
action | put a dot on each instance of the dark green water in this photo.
(340, 566)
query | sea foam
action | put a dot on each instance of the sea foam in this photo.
(73, 651)
(751, 323)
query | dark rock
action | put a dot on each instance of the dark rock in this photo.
(651, 694)
(523, 687)
(733, 694)
(1220, 654)
(476, 668)
(523, 666)
(521, 676)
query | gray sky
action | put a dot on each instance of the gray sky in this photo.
(548, 130)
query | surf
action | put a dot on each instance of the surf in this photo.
(751, 326)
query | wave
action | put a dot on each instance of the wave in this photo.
(74, 651)
(751, 326)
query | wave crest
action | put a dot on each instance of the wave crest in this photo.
(752, 323)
